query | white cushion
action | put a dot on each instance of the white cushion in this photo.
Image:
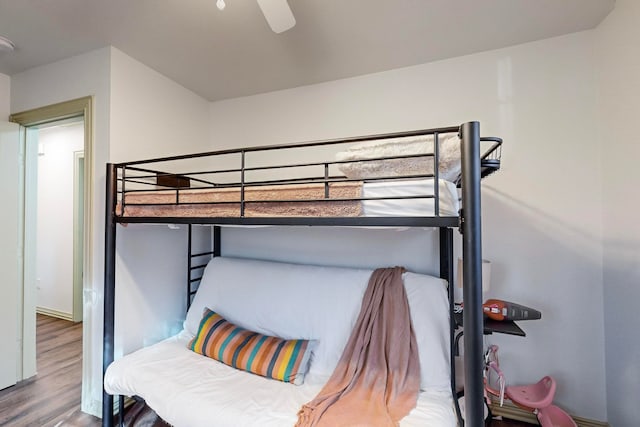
(319, 303)
(186, 389)
(429, 305)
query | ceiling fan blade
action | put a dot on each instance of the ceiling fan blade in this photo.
(278, 14)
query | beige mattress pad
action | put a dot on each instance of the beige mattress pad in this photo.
(298, 200)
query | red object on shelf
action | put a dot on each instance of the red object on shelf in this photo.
(498, 309)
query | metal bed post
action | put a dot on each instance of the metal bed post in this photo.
(436, 178)
(217, 245)
(120, 411)
(109, 289)
(189, 262)
(472, 279)
(446, 273)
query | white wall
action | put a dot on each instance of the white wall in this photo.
(151, 116)
(5, 92)
(618, 59)
(76, 77)
(54, 257)
(367, 248)
(10, 262)
(137, 113)
(541, 213)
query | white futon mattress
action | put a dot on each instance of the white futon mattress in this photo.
(190, 390)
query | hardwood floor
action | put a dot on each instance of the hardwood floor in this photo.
(54, 393)
(52, 397)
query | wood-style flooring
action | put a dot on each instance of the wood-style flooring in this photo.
(52, 397)
(54, 393)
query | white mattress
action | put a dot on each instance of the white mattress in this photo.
(448, 205)
(190, 390)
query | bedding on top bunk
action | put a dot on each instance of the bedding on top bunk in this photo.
(368, 157)
(293, 302)
(200, 202)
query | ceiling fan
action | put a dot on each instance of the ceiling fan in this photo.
(277, 13)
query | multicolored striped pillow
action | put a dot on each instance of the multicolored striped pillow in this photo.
(271, 357)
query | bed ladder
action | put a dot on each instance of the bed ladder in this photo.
(196, 262)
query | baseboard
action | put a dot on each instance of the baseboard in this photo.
(55, 313)
(508, 410)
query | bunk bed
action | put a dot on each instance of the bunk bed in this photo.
(432, 181)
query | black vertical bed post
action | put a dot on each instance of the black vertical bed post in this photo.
(109, 289)
(446, 273)
(472, 278)
(189, 262)
(217, 245)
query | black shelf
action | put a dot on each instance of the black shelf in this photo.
(491, 326)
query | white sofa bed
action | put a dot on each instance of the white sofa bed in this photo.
(290, 301)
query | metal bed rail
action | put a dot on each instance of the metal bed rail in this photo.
(139, 177)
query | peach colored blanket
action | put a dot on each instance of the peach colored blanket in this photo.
(377, 380)
(207, 202)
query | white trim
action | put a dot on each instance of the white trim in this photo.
(21, 176)
(30, 215)
(55, 313)
(78, 233)
(64, 110)
(89, 404)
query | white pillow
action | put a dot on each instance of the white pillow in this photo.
(285, 300)
(429, 305)
(319, 303)
(449, 154)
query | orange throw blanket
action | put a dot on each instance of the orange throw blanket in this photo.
(377, 380)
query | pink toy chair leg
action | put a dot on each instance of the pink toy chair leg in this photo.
(552, 416)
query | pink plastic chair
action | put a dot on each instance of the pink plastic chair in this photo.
(536, 398)
(538, 395)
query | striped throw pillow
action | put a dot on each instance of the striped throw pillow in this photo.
(271, 357)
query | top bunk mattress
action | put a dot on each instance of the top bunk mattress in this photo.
(399, 198)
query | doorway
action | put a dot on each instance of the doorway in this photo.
(59, 228)
(32, 123)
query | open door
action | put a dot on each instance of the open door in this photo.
(11, 194)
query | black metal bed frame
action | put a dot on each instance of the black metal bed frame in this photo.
(475, 165)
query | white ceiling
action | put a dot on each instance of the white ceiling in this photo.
(232, 53)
